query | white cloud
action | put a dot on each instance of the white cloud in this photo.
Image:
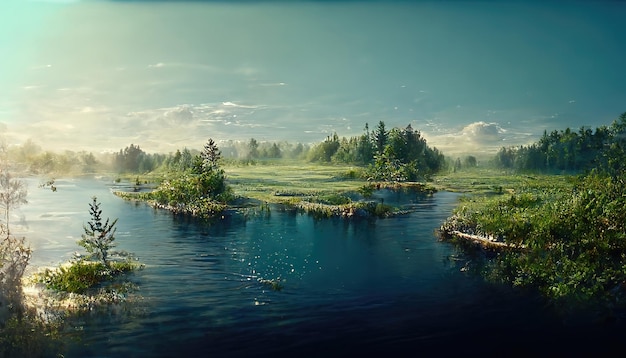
(157, 65)
(476, 138)
(481, 132)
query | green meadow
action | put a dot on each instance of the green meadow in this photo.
(273, 181)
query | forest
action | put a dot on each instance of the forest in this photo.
(570, 151)
(560, 229)
(548, 216)
(388, 154)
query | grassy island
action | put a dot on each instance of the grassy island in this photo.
(207, 187)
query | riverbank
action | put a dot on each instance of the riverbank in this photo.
(565, 241)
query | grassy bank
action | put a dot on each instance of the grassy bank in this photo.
(572, 231)
(490, 181)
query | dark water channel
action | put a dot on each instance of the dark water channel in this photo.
(349, 287)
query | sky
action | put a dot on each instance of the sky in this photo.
(472, 76)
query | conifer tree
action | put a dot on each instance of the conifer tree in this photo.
(210, 156)
(98, 237)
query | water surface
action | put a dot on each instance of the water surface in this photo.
(349, 287)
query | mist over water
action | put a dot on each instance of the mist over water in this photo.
(164, 75)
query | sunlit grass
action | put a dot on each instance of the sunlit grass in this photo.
(264, 180)
(488, 181)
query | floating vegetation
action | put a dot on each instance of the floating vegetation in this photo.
(274, 284)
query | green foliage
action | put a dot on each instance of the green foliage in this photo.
(190, 188)
(80, 276)
(200, 191)
(14, 253)
(209, 158)
(575, 239)
(380, 137)
(390, 155)
(367, 190)
(567, 150)
(253, 149)
(29, 336)
(323, 152)
(98, 237)
(387, 168)
(380, 209)
(133, 159)
(353, 174)
(332, 199)
(14, 258)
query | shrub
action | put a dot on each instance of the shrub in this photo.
(576, 239)
(81, 276)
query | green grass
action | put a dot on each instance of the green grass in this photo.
(264, 180)
(489, 181)
(573, 233)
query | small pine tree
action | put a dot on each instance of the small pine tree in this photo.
(211, 156)
(98, 237)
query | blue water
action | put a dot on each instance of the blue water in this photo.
(349, 287)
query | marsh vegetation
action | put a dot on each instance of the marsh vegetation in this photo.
(570, 226)
(553, 228)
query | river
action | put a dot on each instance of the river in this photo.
(384, 286)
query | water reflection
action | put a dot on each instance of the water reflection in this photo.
(373, 286)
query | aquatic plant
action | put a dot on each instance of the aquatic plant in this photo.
(274, 284)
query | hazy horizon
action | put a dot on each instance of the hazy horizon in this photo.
(471, 76)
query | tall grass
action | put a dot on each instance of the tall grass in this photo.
(575, 237)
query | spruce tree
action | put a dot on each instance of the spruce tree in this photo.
(98, 237)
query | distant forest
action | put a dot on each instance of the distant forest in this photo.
(569, 151)
(396, 154)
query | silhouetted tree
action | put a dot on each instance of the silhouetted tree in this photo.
(253, 149)
(12, 195)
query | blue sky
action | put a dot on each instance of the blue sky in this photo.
(472, 76)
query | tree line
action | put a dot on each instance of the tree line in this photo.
(388, 154)
(398, 154)
(571, 151)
